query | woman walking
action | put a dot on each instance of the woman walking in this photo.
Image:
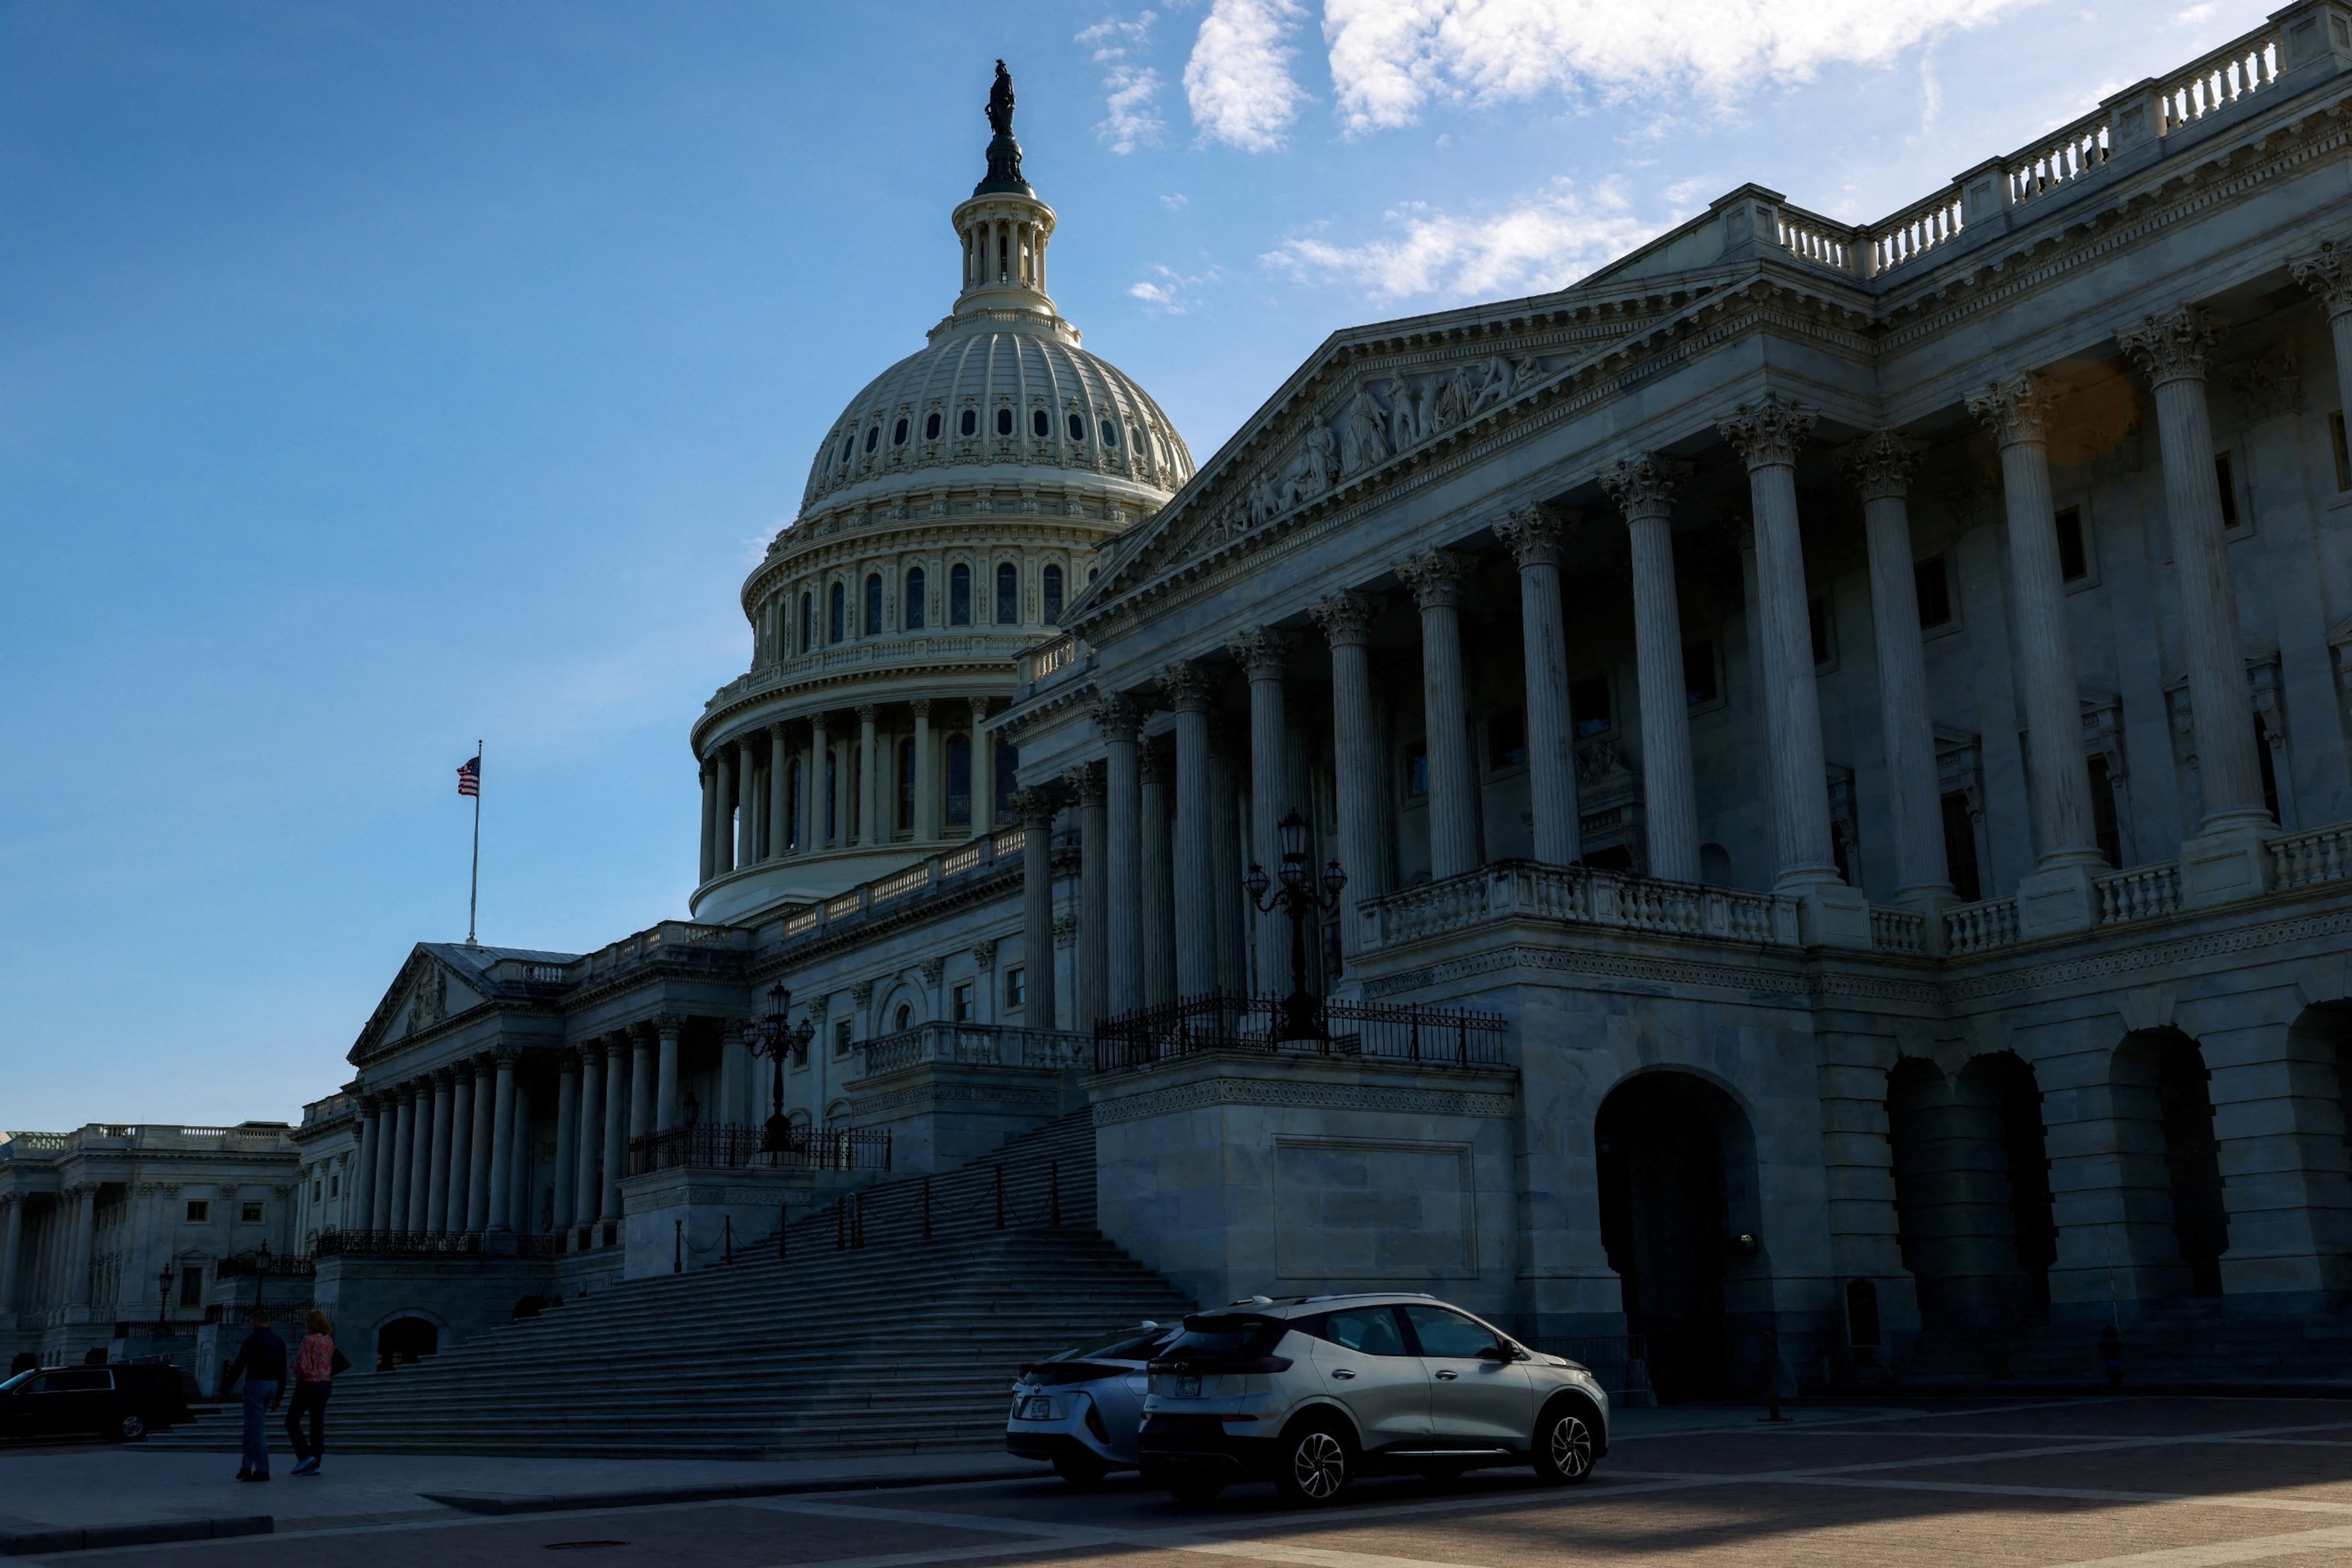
(316, 1361)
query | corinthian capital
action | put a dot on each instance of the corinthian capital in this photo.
(1346, 617)
(2015, 409)
(1182, 685)
(1435, 578)
(1534, 536)
(2327, 272)
(1643, 486)
(1768, 432)
(1035, 806)
(1881, 465)
(2172, 344)
(1084, 783)
(1259, 653)
(1118, 719)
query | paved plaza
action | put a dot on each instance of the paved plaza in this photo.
(2171, 1483)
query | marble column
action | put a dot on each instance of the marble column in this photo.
(1085, 785)
(2171, 350)
(85, 1237)
(1262, 655)
(1643, 490)
(737, 1075)
(567, 1152)
(1036, 808)
(437, 1160)
(824, 786)
(521, 1213)
(1534, 537)
(2327, 273)
(359, 1202)
(1195, 918)
(587, 1190)
(502, 1150)
(1769, 433)
(1224, 864)
(1157, 915)
(666, 1117)
(780, 793)
(983, 771)
(2018, 411)
(747, 820)
(461, 1145)
(642, 1083)
(420, 1161)
(1454, 838)
(1123, 830)
(12, 1248)
(1359, 774)
(1881, 468)
(403, 1155)
(616, 1144)
(927, 774)
(710, 777)
(869, 778)
(478, 1174)
(723, 825)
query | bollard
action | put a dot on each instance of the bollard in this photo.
(727, 1238)
(677, 1246)
(1772, 1373)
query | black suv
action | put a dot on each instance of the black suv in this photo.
(119, 1404)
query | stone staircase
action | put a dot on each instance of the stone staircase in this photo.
(863, 1337)
(2189, 1346)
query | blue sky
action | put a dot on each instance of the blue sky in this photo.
(375, 377)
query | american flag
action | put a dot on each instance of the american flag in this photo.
(469, 776)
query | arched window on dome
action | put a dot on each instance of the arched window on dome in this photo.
(1077, 427)
(873, 433)
(836, 621)
(874, 604)
(1008, 595)
(914, 616)
(848, 440)
(1051, 591)
(808, 622)
(1041, 424)
(907, 785)
(899, 434)
(958, 801)
(970, 425)
(932, 425)
(1005, 422)
(1110, 433)
(959, 594)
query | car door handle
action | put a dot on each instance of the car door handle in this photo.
(1447, 1376)
(1342, 1373)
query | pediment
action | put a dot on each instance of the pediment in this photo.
(423, 994)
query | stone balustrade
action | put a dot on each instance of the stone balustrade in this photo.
(1979, 927)
(2236, 70)
(2137, 894)
(1580, 896)
(928, 875)
(668, 938)
(2308, 860)
(1898, 931)
(973, 1045)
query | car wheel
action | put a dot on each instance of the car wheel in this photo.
(1564, 1444)
(1083, 1471)
(125, 1429)
(1316, 1466)
(1194, 1489)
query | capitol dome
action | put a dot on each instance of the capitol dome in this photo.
(952, 512)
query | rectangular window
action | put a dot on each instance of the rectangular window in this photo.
(2343, 452)
(961, 998)
(250, 1214)
(318, 1190)
(1588, 705)
(199, 1211)
(2225, 477)
(335, 1185)
(906, 786)
(2074, 560)
(1961, 848)
(2103, 814)
(1016, 987)
(1416, 772)
(1008, 775)
(1506, 739)
(191, 1287)
(1931, 580)
(841, 1038)
(1699, 673)
(1824, 630)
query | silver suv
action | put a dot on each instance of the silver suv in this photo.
(1308, 1390)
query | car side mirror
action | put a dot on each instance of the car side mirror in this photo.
(1497, 1354)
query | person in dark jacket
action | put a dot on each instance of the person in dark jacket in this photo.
(261, 1362)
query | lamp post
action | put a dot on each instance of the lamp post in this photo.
(1295, 890)
(260, 1273)
(774, 1038)
(163, 1302)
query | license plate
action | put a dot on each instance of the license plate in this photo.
(1037, 1408)
(1187, 1387)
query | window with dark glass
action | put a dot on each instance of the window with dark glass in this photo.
(1506, 739)
(874, 604)
(1110, 436)
(1961, 848)
(199, 1211)
(932, 425)
(1448, 1335)
(906, 786)
(2225, 477)
(1823, 629)
(899, 434)
(873, 433)
(837, 620)
(2269, 765)
(1931, 581)
(1008, 768)
(1008, 595)
(1588, 705)
(841, 1027)
(960, 1001)
(904, 1019)
(958, 801)
(1077, 427)
(913, 615)
(969, 424)
(2105, 829)
(1416, 770)
(2074, 560)
(250, 1214)
(959, 594)
(848, 440)
(832, 795)
(1005, 422)
(1053, 596)
(1039, 424)
(808, 621)
(1368, 1330)
(191, 1287)
(1016, 987)
(1699, 673)
(792, 804)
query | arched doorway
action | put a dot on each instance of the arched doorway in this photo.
(404, 1340)
(1972, 1197)
(1677, 1180)
(2161, 1082)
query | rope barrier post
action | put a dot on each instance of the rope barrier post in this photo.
(677, 1246)
(1000, 1197)
(783, 1231)
(727, 1235)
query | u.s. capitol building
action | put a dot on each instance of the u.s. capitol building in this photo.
(1820, 764)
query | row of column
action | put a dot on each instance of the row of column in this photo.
(66, 1246)
(438, 1152)
(751, 813)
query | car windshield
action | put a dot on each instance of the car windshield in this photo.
(16, 1381)
(1216, 1336)
(1129, 1346)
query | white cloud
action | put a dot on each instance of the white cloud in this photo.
(1167, 292)
(1545, 242)
(1238, 81)
(1389, 57)
(1131, 92)
(1174, 201)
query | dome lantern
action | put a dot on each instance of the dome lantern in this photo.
(1003, 226)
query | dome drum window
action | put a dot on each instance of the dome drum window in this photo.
(960, 595)
(1077, 427)
(899, 433)
(1109, 434)
(932, 425)
(873, 433)
(874, 604)
(1008, 595)
(1005, 422)
(1041, 424)
(836, 614)
(971, 423)
(914, 616)
(1050, 589)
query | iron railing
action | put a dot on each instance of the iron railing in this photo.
(423, 1244)
(1434, 1036)
(245, 1265)
(727, 1147)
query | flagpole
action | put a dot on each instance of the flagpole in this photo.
(474, 893)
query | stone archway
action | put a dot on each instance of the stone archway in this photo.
(2162, 1092)
(404, 1339)
(1973, 1204)
(1677, 1187)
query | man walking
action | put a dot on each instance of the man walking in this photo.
(261, 1359)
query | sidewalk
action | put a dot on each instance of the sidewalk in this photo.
(120, 1497)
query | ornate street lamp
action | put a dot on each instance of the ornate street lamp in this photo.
(774, 1038)
(1295, 890)
(163, 1302)
(260, 1272)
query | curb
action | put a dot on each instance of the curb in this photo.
(154, 1533)
(560, 1502)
